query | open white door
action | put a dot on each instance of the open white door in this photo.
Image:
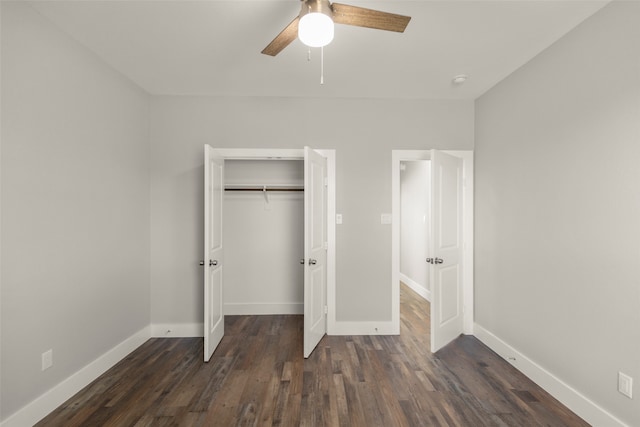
(315, 249)
(213, 253)
(446, 249)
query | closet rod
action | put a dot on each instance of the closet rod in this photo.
(263, 189)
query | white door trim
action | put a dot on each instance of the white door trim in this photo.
(398, 156)
(298, 154)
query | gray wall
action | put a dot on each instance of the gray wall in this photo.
(415, 219)
(558, 208)
(363, 132)
(263, 240)
(75, 206)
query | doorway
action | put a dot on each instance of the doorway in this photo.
(449, 264)
(264, 236)
(415, 220)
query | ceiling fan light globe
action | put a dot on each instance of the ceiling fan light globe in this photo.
(315, 29)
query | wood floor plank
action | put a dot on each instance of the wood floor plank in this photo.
(258, 377)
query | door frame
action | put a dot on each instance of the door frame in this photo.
(298, 154)
(398, 156)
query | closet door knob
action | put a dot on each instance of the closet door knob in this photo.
(302, 261)
(201, 262)
(213, 262)
(312, 261)
(439, 260)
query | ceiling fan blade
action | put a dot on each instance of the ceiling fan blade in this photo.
(361, 17)
(283, 39)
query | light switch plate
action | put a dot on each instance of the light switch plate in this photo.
(625, 384)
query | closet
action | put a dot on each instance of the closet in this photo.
(268, 247)
(263, 234)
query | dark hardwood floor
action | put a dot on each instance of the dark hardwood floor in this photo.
(257, 376)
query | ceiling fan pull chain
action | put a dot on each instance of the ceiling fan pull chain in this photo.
(322, 65)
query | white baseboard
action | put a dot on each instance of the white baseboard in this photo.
(263, 308)
(417, 288)
(177, 330)
(363, 328)
(50, 400)
(567, 395)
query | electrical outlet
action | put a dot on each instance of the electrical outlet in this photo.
(47, 359)
(625, 385)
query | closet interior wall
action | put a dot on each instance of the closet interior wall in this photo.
(263, 234)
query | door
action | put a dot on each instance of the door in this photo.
(446, 249)
(213, 252)
(315, 249)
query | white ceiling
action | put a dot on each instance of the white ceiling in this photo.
(212, 47)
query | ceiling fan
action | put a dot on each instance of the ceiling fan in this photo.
(314, 24)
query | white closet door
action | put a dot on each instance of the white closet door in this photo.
(315, 249)
(213, 251)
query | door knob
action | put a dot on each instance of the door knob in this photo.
(312, 261)
(213, 262)
(429, 260)
(439, 260)
(302, 261)
(201, 262)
